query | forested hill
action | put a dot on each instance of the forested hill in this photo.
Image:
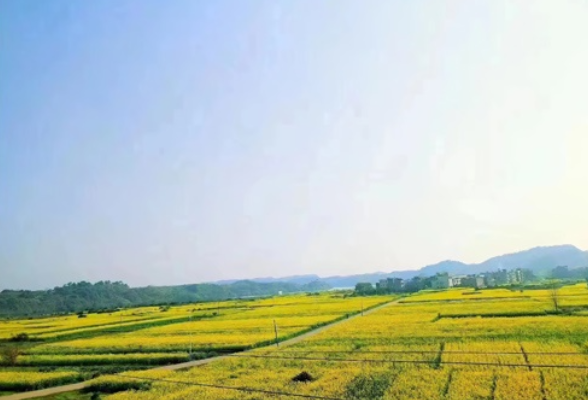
(84, 296)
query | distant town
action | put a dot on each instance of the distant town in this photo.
(502, 277)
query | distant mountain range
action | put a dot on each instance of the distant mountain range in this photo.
(84, 296)
(541, 260)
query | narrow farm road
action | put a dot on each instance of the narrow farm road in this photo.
(35, 394)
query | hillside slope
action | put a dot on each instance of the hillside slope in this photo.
(83, 296)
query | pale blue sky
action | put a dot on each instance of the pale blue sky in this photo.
(186, 141)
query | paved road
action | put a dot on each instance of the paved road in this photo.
(79, 386)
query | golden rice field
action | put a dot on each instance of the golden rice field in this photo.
(456, 344)
(66, 348)
(57, 326)
(443, 347)
(25, 380)
(231, 329)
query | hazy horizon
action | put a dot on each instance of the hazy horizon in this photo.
(181, 142)
(280, 276)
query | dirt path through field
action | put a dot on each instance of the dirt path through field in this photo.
(80, 386)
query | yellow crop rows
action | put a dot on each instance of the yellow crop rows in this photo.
(232, 328)
(437, 345)
(101, 359)
(20, 380)
(414, 350)
(150, 336)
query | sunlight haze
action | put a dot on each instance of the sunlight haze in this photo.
(177, 142)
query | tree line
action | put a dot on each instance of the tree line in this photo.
(106, 295)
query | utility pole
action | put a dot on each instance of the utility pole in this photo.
(190, 328)
(362, 307)
(276, 332)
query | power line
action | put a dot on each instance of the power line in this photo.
(475, 363)
(237, 388)
(308, 396)
(318, 359)
(427, 352)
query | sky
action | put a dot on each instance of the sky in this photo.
(177, 142)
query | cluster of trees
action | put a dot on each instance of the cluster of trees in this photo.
(408, 286)
(563, 272)
(105, 295)
(9, 355)
(364, 288)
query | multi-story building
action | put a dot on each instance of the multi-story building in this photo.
(390, 284)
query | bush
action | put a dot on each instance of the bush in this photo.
(303, 377)
(21, 337)
(10, 355)
(113, 386)
(109, 384)
(367, 386)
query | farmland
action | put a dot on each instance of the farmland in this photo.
(434, 345)
(452, 344)
(65, 349)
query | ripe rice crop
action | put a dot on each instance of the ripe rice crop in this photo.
(101, 359)
(518, 385)
(236, 329)
(25, 380)
(413, 350)
(45, 327)
(502, 353)
(405, 351)
(471, 385)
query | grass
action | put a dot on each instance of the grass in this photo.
(69, 396)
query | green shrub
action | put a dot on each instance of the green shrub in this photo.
(114, 386)
(368, 386)
(21, 337)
